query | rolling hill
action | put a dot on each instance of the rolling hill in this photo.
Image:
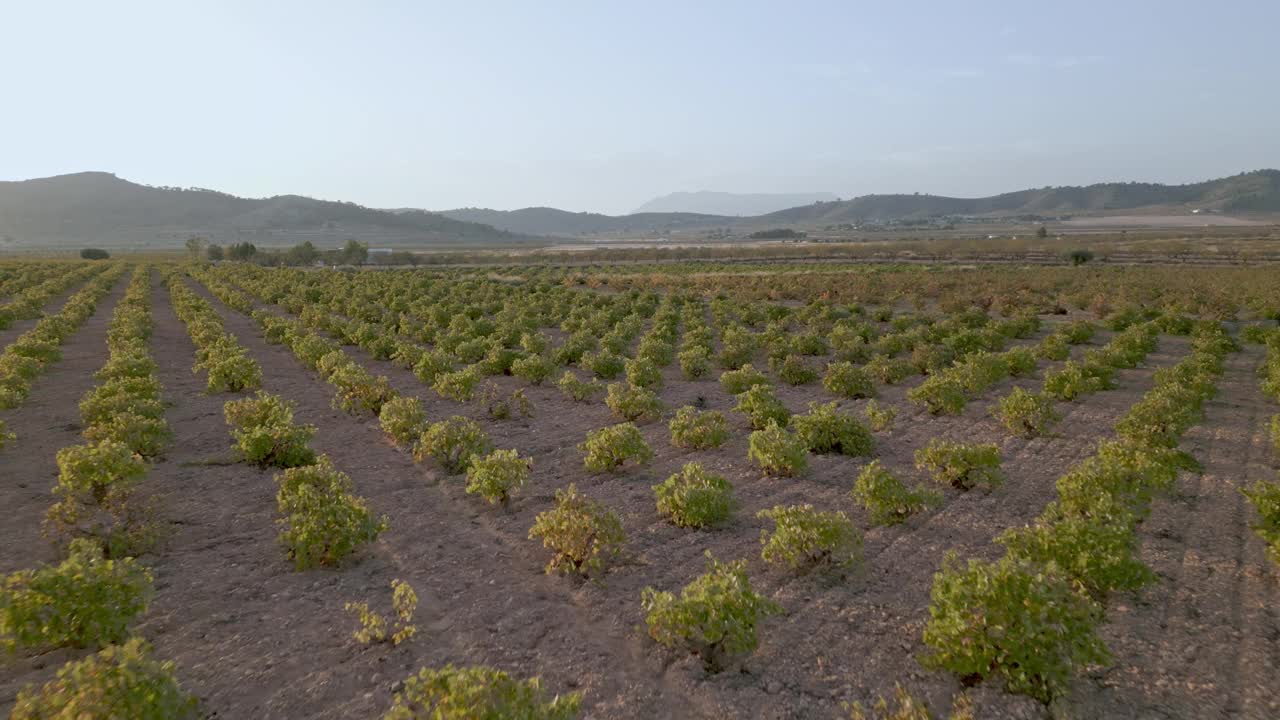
(550, 221)
(100, 209)
(1257, 191)
(706, 202)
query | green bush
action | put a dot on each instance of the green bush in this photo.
(632, 403)
(609, 448)
(1099, 551)
(715, 616)
(578, 390)
(121, 681)
(583, 535)
(6, 437)
(848, 380)
(432, 364)
(459, 385)
(535, 369)
(496, 475)
(777, 451)
(644, 373)
(1026, 413)
(604, 364)
(888, 370)
(695, 362)
(99, 469)
(322, 522)
(453, 443)
(145, 436)
(695, 498)
(906, 707)
(736, 382)
(793, 370)
(1265, 498)
(403, 419)
(1019, 621)
(478, 692)
(1075, 379)
(85, 601)
(960, 465)
(806, 538)
(887, 499)
(698, 430)
(879, 418)
(941, 394)
(762, 407)
(263, 429)
(823, 430)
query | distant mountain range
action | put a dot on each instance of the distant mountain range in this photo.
(706, 202)
(1257, 191)
(100, 209)
(550, 221)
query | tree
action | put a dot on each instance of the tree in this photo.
(214, 253)
(1042, 232)
(94, 254)
(195, 246)
(303, 253)
(241, 251)
(355, 253)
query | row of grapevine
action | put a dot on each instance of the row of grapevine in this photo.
(91, 599)
(28, 301)
(1031, 617)
(31, 353)
(226, 363)
(1264, 494)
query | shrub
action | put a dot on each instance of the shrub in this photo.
(610, 447)
(1099, 551)
(578, 390)
(535, 369)
(695, 362)
(879, 418)
(604, 364)
(453, 443)
(431, 365)
(359, 391)
(85, 601)
(793, 370)
(477, 692)
(459, 385)
(887, 499)
(806, 538)
(824, 430)
(403, 419)
(143, 435)
(1075, 379)
(1020, 361)
(94, 254)
(633, 403)
(373, 626)
(1053, 347)
(99, 469)
(960, 465)
(497, 474)
(736, 382)
(643, 373)
(906, 707)
(322, 521)
(698, 430)
(762, 407)
(1026, 413)
(121, 681)
(777, 451)
(1265, 498)
(230, 370)
(941, 394)
(6, 437)
(848, 380)
(265, 434)
(1022, 622)
(888, 370)
(695, 498)
(715, 616)
(583, 535)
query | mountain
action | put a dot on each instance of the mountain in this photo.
(100, 209)
(550, 221)
(1257, 191)
(731, 204)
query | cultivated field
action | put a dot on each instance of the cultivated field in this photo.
(681, 490)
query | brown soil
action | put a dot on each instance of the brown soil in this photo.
(252, 637)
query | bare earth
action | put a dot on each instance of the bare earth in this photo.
(253, 638)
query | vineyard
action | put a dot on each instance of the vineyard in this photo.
(775, 490)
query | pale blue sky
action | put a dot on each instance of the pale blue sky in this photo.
(603, 105)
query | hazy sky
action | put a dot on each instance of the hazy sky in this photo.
(602, 105)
